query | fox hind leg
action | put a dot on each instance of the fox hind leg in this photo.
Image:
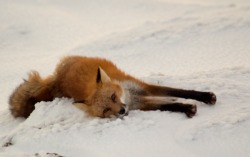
(206, 97)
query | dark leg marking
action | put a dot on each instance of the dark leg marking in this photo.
(206, 97)
(189, 109)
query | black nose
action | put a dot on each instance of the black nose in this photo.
(122, 111)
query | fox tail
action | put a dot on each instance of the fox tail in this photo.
(22, 101)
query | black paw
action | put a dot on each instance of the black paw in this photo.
(210, 98)
(191, 110)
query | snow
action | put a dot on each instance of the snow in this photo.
(193, 44)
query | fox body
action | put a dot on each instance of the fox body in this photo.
(99, 88)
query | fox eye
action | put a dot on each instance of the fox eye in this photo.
(113, 97)
(106, 110)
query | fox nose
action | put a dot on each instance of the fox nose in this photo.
(122, 111)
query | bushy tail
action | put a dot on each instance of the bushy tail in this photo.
(27, 94)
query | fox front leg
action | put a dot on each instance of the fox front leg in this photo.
(167, 104)
(189, 109)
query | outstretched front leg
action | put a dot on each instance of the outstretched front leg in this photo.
(206, 97)
(167, 104)
(189, 109)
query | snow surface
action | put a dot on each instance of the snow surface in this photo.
(193, 44)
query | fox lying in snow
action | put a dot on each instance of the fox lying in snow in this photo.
(99, 88)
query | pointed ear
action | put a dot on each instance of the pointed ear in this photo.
(102, 76)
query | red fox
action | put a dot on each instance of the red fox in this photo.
(99, 88)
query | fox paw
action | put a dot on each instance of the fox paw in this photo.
(191, 110)
(210, 98)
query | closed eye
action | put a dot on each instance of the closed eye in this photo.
(113, 97)
(106, 110)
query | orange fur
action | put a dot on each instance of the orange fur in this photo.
(76, 73)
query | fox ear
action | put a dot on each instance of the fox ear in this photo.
(102, 76)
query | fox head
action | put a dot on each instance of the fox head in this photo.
(108, 99)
